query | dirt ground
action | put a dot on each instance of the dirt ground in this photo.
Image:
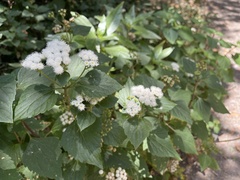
(227, 21)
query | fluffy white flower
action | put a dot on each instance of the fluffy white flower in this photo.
(58, 69)
(175, 66)
(100, 172)
(147, 96)
(57, 54)
(66, 118)
(132, 106)
(189, 75)
(89, 58)
(33, 61)
(156, 91)
(78, 102)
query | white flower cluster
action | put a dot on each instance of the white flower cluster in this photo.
(78, 102)
(147, 96)
(89, 58)
(93, 101)
(34, 61)
(175, 66)
(66, 118)
(120, 174)
(56, 54)
(132, 106)
(189, 75)
(173, 166)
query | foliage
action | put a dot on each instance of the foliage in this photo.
(44, 134)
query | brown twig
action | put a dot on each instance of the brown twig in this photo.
(32, 133)
(228, 140)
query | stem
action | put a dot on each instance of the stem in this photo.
(169, 126)
(18, 139)
(78, 78)
(66, 98)
(25, 125)
(228, 140)
(46, 76)
(193, 95)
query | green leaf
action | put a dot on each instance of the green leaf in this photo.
(119, 159)
(236, 58)
(43, 156)
(98, 84)
(101, 25)
(165, 53)
(161, 147)
(203, 108)
(76, 67)
(217, 104)
(80, 30)
(186, 34)
(200, 130)
(83, 21)
(170, 34)
(7, 96)
(118, 50)
(180, 94)
(85, 119)
(158, 50)
(145, 33)
(34, 100)
(108, 102)
(181, 111)
(137, 130)
(124, 93)
(113, 19)
(144, 58)
(115, 136)
(185, 141)
(85, 145)
(189, 66)
(166, 105)
(27, 77)
(15, 152)
(148, 81)
(76, 171)
(207, 162)
(214, 83)
(6, 161)
(63, 78)
(11, 174)
(160, 163)
(130, 15)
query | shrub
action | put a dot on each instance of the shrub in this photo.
(124, 94)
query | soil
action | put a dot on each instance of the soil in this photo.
(227, 21)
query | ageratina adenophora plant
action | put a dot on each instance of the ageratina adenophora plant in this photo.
(117, 96)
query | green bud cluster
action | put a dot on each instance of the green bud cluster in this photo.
(170, 80)
(51, 15)
(201, 66)
(62, 12)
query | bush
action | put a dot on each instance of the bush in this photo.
(122, 94)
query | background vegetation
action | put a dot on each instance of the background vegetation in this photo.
(169, 46)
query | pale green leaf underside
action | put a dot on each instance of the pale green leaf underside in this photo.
(34, 100)
(7, 96)
(185, 141)
(137, 130)
(161, 147)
